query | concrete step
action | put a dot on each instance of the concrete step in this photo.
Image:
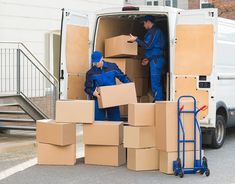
(30, 128)
(12, 112)
(16, 120)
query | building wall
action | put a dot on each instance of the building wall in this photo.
(28, 21)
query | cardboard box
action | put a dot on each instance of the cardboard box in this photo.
(166, 122)
(124, 110)
(145, 99)
(117, 95)
(76, 87)
(139, 137)
(131, 67)
(103, 133)
(105, 155)
(49, 154)
(119, 47)
(75, 111)
(48, 131)
(141, 85)
(142, 159)
(166, 160)
(141, 114)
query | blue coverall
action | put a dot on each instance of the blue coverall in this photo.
(154, 45)
(104, 76)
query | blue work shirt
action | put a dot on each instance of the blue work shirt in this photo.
(154, 42)
(104, 76)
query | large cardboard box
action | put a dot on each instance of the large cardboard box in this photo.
(145, 99)
(119, 47)
(103, 133)
(166, 160)
(131, 67)
(105, 155)
(139, 137)
(142, 159)
(141, 85)
(166, 122)
(48, 131)
(141, 114)
(75, 111)
(124, 110)
(49, 154)
(76, 87)
(111, 96)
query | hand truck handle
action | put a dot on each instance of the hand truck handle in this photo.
(203, 108)
(181, 108)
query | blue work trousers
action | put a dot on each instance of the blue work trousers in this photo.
(110, 114)
(156, 66)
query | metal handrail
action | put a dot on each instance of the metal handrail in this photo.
(20, 43)
(22, 53)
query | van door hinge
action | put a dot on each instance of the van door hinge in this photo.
(174, 41)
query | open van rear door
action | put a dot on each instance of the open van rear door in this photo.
(74, 55)
(194, 50)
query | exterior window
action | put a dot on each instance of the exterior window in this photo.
(149, 3)
(168, 3)
(175, 4)
(155, 3)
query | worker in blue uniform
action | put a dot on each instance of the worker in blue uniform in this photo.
(103, 73)
(154, 46)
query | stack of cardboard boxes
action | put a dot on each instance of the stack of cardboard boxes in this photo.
(103, 143)
(56, 139)
(139, 137)
(124, 54)
(167, 134)
(56, 143)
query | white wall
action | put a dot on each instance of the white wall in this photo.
(28, 21)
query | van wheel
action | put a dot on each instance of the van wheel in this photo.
(218, 135)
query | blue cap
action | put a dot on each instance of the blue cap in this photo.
(96, 56)
(149, 18)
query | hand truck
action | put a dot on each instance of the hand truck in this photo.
(200, 165)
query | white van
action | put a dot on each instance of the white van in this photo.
(200, 56)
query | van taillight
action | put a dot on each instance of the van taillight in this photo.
(130, 8)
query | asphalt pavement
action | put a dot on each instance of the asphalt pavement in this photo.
(221, 164)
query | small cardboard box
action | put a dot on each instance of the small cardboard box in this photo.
(103, 133)
(111, 96)
(49, 154)
(166, 160)
(75, 111)
(76, 87)
(119, 47)
(142, 159)
(105, 155)
(48, 131)
(141, 114)
(139, 137)
(131, 67)
(166, 122)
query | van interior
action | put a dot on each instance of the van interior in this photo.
(115, 25)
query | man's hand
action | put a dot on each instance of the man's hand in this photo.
(96, 93)
(145, 61)
(132, 38)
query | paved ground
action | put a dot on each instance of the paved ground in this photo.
(221, 163)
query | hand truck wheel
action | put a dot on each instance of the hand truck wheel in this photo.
(207, 173)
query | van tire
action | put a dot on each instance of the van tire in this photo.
(219, 133)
